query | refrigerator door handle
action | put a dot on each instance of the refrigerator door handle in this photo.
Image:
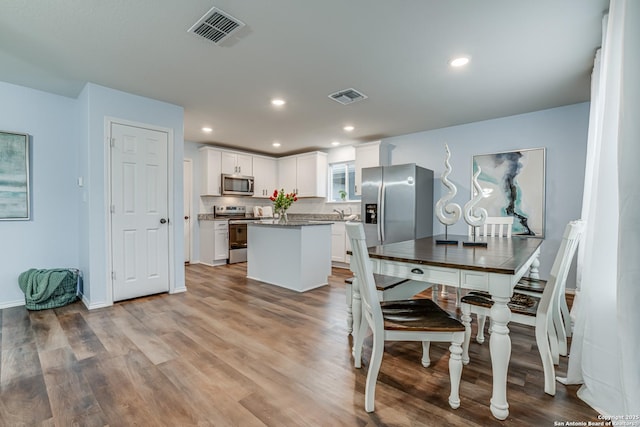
(381, 215)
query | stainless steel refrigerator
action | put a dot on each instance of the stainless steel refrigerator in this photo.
(397, 203)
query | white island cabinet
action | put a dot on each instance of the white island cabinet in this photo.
(296, 255)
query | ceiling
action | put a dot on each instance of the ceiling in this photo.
(525, 56)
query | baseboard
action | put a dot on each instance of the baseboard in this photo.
(93, 306)
(179, 290)
(10, 304)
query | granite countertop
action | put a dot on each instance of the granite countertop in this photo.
(289, 224)
(292, 217)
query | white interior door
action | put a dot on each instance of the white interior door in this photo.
(188, 168)
(139, 211)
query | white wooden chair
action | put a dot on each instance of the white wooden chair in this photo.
(404, 320)
(531, 310)
(494, 226)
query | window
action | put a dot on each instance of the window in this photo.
(342, 178)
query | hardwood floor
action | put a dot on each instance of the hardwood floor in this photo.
(237, 352)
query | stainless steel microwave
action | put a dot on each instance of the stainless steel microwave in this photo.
(237, 185)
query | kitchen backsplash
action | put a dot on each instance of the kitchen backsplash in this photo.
(314, 205)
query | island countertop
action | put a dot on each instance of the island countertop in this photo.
(289, 224)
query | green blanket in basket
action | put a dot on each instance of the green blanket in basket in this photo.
(48, 288)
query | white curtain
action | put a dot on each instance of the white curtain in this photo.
(606, 341)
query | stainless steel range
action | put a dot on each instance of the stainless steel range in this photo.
(238, 220)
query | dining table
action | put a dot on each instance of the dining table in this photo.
(494, 268)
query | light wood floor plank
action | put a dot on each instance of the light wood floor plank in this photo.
(237, 352)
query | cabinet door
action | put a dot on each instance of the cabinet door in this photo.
(244, 163)
(265, 172)
(311, 175)
(228, 163)
(367, 156)
(236, 163)
(338, 248)
(221, 240)
(207, 238)
(287, 174)
(210, 166)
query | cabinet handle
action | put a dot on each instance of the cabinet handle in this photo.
(417, 271)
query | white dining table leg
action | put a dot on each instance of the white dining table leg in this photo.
(500, 347)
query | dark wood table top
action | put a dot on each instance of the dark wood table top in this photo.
(502, 255)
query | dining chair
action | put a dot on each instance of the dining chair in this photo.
(561, 316)
(401, 320)
(532, 310)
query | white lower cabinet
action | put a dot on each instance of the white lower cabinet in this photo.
(340, 243)
(214, 242)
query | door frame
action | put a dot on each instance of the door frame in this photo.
(189, 191)
(171, 209)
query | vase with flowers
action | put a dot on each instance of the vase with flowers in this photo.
(281, 202)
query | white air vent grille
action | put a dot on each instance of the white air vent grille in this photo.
(348, 96)
(216, 25)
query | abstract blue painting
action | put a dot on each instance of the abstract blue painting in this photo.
(514, 185)
(14, 176)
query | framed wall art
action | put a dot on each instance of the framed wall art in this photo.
(514, 185)
(14, 176)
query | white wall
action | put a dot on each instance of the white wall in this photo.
(69, 223)
(50, 238)
(562, 131)
(98, 104)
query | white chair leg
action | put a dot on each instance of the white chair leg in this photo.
(358, 343)
(542, 340)
(561, 335)
(426, 360)
(480, 334)
(372, 375)
(566, 316)
(466, 321)
(349, 296)
(552, 339)
(455, 368)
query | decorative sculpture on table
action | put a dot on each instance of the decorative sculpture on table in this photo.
(475, 217)
(447, 213)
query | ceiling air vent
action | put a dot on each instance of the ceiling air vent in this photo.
(216, 25)
(348, 96)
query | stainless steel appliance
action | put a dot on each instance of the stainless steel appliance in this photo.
(238, 220)
(397, 203)
(237, 185)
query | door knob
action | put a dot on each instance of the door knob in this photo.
(186, 217)
(163, 221)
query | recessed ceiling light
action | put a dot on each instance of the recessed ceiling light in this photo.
(348, 128)
(459, 62)
(334, 143)
(276, 144)
(207, 129)
(278, 102)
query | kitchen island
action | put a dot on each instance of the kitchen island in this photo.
(295, 255)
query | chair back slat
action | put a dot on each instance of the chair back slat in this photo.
(495, 226)
(363, 271)
(559, 271)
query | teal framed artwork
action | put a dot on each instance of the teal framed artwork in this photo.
(14, 176)
(513, 184)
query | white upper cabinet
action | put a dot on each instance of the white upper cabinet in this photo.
(367, 155)
(265, 172)
(237, 163)
(304, 174)
(211, 171)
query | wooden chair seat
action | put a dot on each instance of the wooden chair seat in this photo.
(531, 285)
(418, 315)
(520, 303)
